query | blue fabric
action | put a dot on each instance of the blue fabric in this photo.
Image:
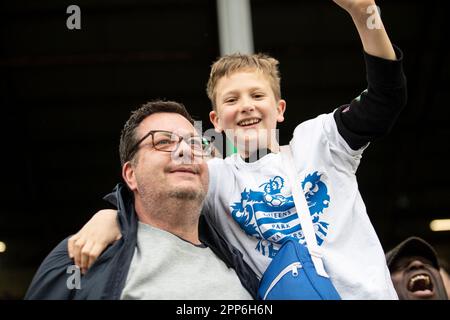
(303, 283)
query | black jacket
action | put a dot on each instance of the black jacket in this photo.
(106, 278)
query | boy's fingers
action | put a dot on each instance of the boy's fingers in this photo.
(77, 246)
(70, 245)
(85, 255)
(96, 250)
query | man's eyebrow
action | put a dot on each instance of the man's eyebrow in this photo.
(189, 135)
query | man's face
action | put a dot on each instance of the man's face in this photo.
(415, 278)
(246, 109)
(154, 174)
(446, 279)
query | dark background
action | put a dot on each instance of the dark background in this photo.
(65, 95)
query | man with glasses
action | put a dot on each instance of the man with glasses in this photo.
(167, 249)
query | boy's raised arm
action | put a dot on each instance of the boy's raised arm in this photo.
(368, 22)
(372, 115)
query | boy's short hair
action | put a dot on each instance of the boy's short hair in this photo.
(232, 63)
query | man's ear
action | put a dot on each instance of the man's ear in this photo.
(214, 118)
(281, 108)
(129, 176)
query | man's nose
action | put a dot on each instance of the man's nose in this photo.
(183, 153)
(416, 264)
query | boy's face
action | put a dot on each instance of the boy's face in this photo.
(246, 109)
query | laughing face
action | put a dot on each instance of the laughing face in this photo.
(415, 278)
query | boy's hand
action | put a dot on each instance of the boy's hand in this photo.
(355, 6)
(367, 19)
(88, 243)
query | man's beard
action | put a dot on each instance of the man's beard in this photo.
(152, 197)
(186, 194)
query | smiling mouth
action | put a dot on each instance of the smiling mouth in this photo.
(248, 122)
(184, 169)
(420, 284)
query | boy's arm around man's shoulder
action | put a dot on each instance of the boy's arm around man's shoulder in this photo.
(52, 280)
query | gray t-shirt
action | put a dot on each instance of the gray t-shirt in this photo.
(165, 267)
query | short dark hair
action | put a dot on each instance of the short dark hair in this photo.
(128, 136)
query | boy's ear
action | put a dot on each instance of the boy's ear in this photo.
(281, 108)
(214, 118)
(129, 176)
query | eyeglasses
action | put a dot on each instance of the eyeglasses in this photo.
(168, 141)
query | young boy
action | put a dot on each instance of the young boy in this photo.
(250, 200)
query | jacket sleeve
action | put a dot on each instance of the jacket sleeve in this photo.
(374, 112)
(53, 279)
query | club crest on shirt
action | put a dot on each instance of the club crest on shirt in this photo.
(269, 214)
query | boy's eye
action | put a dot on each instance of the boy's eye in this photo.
(230, 100)
(258, 96)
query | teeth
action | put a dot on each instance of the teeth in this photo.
(419, 282)
(248, 122)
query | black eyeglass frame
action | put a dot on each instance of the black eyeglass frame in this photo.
(205, 143)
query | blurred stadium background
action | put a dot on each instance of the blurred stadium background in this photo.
(65, 95)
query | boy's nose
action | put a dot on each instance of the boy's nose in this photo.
(247, 105)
